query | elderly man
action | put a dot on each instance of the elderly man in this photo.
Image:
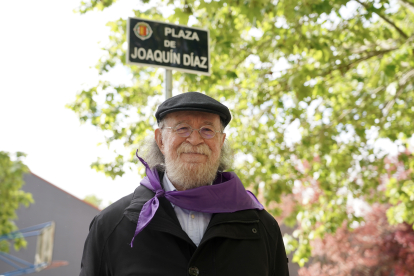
(187, 217)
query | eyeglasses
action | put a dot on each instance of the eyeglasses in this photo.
(184, 130)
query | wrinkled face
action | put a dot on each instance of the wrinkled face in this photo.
(190, 161)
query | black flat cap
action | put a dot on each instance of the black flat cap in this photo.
(193, 101)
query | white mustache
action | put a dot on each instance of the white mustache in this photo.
(187, 148)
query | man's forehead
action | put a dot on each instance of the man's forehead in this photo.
(188, 116)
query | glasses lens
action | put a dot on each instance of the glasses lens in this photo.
(183, 130)
(207, 132)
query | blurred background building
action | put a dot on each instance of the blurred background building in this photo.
(72, 217)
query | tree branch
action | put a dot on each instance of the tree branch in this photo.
(403, 82)
(386, 20)
(353, 63)
(364, 48)
(408, 3)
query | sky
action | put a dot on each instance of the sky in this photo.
(47, 55)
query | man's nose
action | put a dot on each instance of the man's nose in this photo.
(195, 138)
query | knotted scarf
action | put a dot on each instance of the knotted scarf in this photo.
(226, 196)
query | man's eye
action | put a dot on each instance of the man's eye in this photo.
(207, 130)
(183, 129)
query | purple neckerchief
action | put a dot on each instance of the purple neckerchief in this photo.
(225, 197)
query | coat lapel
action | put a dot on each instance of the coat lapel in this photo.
(165, 219)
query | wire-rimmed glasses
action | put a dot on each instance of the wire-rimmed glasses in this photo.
(185, 130)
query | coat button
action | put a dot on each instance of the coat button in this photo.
(254, 230)
(193, 271)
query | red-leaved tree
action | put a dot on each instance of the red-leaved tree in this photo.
(373, 248)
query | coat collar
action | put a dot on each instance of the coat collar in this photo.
(165, 220)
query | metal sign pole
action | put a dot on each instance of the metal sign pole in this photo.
(168, 84)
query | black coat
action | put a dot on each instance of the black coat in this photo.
(242, 243)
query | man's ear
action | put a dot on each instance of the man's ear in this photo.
(223, 138)
(158, 139)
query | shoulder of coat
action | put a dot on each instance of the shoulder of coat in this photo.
(270, 223)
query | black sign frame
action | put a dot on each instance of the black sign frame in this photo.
(170, 46)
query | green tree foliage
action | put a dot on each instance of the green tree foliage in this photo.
(94, 200)
(12, 170)
(339, 71)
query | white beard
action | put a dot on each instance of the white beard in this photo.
(186, 175)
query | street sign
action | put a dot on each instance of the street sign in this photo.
(170, 46)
